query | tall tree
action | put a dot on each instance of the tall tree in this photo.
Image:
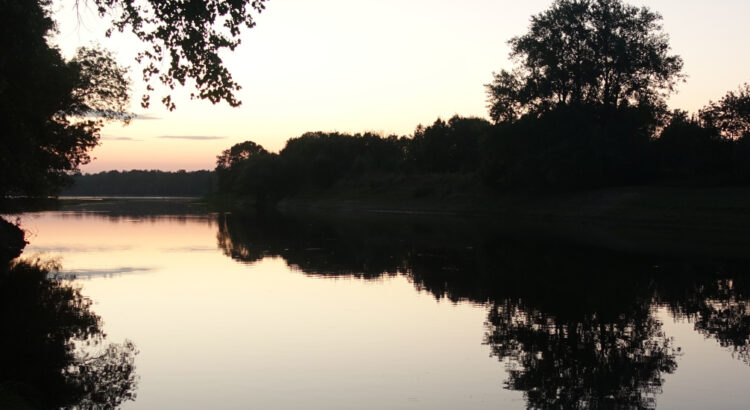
(586, 52)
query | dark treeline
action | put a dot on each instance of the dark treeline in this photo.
(585, 107)
(575, 323)
(318, 160)
(143, 183)
(569, 147)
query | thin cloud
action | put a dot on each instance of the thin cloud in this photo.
(191, 137)
(111, 138)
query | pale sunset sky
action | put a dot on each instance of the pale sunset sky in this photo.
(374, 65)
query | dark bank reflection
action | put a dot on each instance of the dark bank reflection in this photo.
(53, 353)
(575, 325)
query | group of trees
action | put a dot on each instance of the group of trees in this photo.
(594, 145)
(585, 107)
(570, 146)
(318, 160)
(52, 108)
(585, 99)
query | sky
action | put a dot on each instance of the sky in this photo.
(383, 66)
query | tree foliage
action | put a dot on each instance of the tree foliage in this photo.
(184, 40)
(448, 147)
(52, 110)
(731, 114)
(238, 153)
(320, 160)
(230, 161)
(586, 52)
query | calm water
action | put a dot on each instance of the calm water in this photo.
(232, 311)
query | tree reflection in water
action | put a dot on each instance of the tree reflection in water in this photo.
(575, 325)
(591, 362)
(53, 353)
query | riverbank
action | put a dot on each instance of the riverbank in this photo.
(667, 219)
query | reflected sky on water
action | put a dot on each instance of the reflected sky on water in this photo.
(233, 311)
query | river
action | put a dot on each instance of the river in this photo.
(221, 310)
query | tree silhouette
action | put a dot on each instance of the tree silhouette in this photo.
(51, 110)
(731, 114)
(248, 169)
(238, 153)
(228, 163)
(186, 36)
(448, 147)
(586, 52)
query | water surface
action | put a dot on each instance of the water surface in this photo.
(233, 311)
